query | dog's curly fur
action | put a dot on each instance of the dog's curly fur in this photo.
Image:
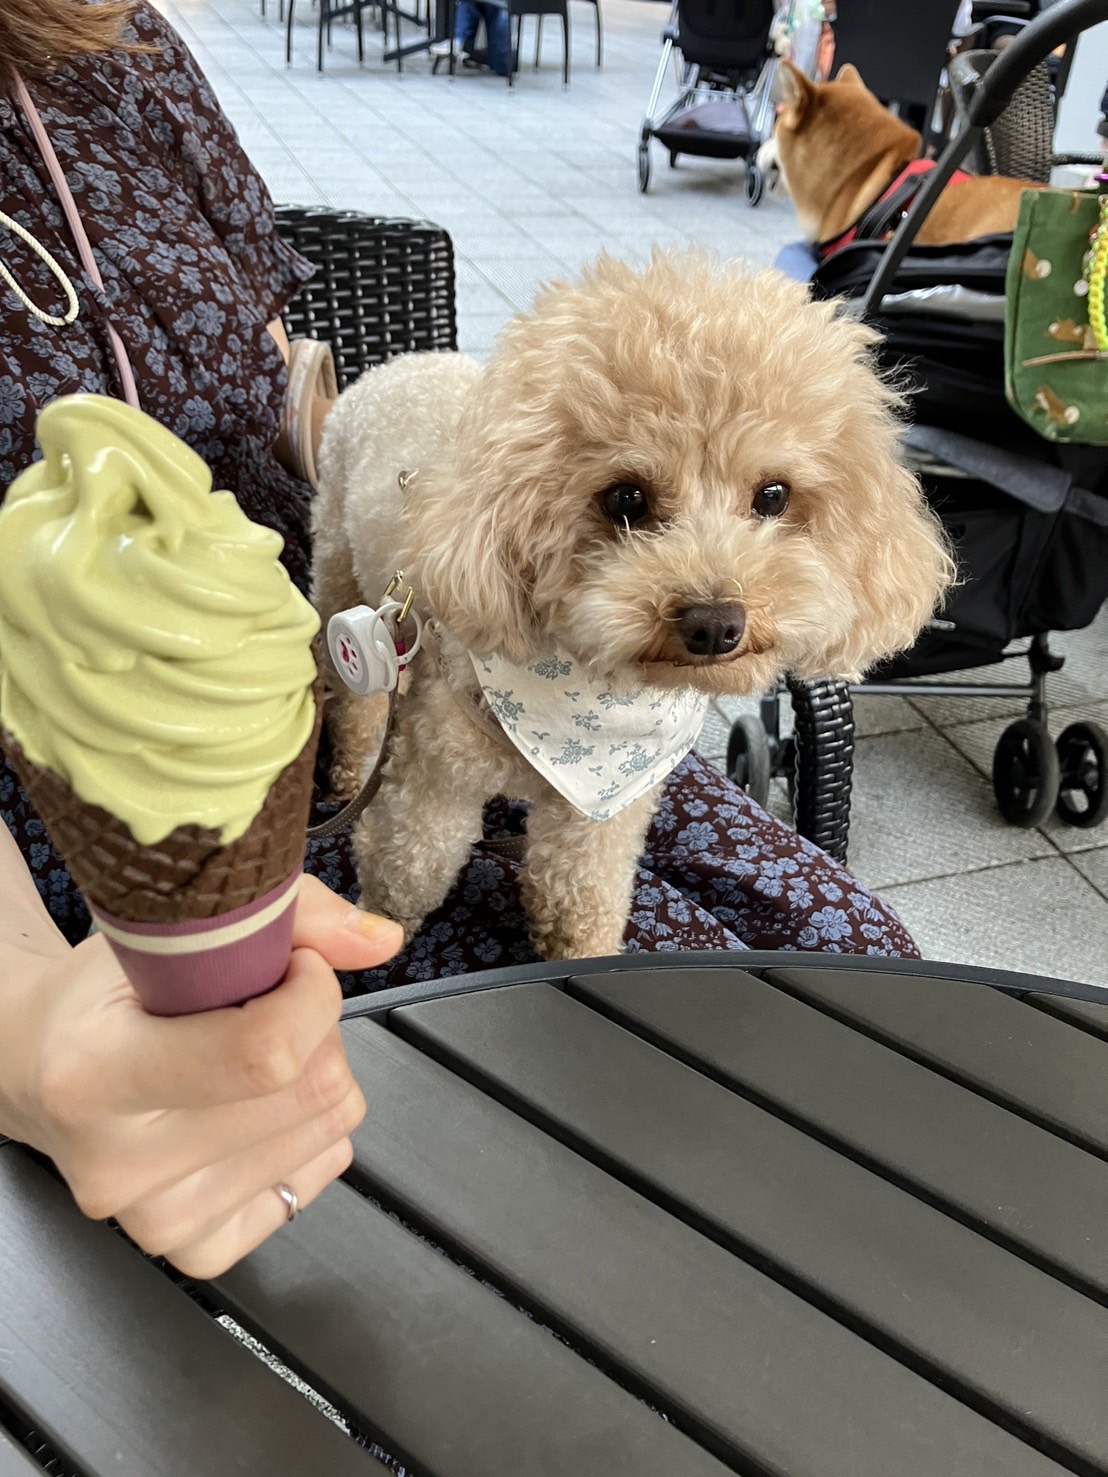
(695, 382)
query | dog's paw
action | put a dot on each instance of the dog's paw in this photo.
(345, 780)
(553, 941)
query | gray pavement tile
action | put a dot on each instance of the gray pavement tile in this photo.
(477, 333)
(921, 810)
(713, 737)
(493, 241)
(1039, 917)
(1094, 866)
(480, 299)
(875, 715)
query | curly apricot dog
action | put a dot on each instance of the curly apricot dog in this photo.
(673, 480)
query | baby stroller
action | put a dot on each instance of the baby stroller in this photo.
(723, 109)
(1028, 517)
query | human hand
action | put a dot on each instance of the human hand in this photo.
(180, 1128)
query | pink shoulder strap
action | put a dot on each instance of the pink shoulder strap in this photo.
(73, 218)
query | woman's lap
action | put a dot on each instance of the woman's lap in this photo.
(718, 873)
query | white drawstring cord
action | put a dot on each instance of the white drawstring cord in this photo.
(66, 285)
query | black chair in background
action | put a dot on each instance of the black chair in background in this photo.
(596, 7)
(329, 12)
(899, 47)
(530, 9)
(517, 9)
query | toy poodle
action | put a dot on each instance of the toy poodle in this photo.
(669, 482)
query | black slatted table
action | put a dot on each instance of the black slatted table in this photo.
(666, 1216)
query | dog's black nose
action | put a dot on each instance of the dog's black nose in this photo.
(711, 630)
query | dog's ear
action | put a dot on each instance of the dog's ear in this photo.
(849, 75)
(898, 571)
(797, 93)
(467, 562)
(899, 567)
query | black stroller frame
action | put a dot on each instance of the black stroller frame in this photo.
(1051, 502)
(724, 107)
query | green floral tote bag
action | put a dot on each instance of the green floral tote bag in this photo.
(1055, 331)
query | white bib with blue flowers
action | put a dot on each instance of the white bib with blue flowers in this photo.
(599, 745)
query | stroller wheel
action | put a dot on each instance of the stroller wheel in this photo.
(748, 761)
(644, 165)
(755, 183)
(1083, 759)
(1025, 773)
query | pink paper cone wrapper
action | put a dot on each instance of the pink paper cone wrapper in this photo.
(206, 963)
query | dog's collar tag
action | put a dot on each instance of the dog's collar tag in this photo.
(367, 652)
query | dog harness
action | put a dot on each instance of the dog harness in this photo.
(879, 220)
(600, 746)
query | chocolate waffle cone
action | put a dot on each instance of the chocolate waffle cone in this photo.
(190, 875)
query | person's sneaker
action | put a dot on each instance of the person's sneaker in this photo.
(441, 48)
(475, 60)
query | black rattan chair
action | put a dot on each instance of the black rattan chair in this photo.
(382, 287)
(816, 759)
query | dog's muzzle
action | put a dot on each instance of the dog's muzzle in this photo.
(711, 630)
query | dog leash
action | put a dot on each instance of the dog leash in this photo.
(354, 808)
(511, 848)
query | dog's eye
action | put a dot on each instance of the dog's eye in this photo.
(771, 499)
(624, 503)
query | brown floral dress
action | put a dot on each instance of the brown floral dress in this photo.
(182, 229)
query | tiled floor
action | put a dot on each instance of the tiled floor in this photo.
(531, 183)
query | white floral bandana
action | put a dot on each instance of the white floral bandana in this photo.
(600, 746)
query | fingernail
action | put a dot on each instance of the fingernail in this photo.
(371, 925)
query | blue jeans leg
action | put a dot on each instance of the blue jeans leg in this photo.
(466, 20)
(497, 28)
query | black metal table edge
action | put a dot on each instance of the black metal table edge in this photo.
(377, 1006)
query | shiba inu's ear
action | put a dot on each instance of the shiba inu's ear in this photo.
(796, 93)
(850, 75)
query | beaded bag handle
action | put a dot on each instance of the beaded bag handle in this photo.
(80, 237)
(1096, 275)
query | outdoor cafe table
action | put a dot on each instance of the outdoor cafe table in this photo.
(665, 1216)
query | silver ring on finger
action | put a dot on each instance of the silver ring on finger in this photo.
(288, 1196)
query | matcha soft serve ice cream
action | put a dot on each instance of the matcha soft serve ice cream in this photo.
(158, 699)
